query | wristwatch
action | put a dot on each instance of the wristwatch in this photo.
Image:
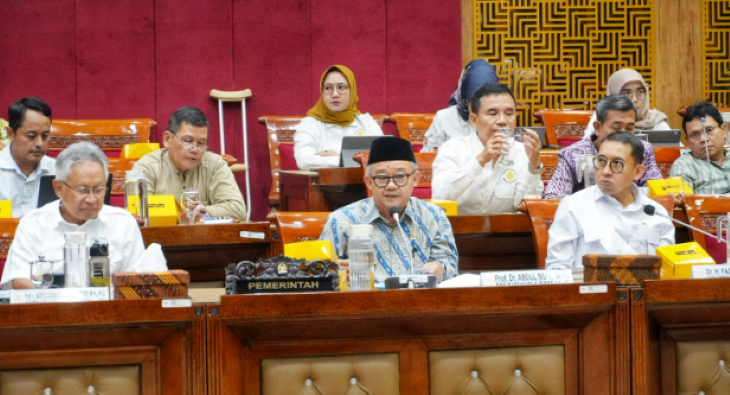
(536, 171)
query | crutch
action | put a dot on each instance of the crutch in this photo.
(237, 96)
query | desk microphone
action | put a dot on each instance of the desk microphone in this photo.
(651, 210)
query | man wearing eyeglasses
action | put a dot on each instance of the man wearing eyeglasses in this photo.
(186, 165)
(81, 174)
(704, 176)
(608, 218)
(391, 175)
(575, 163)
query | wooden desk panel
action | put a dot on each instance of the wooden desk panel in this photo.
(243, 330)
(669, 311)
(167, 344)
(205, 250)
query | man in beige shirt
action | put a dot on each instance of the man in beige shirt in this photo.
(185, 165)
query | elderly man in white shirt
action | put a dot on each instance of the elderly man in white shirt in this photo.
(24, 161)
(608, 218)
(80, 184)
(486, 172)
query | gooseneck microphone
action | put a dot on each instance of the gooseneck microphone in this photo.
(651, 210)
(395, 213)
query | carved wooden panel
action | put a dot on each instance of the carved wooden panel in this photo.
(664, 167)
(417, 134)
(559, 54)
(716, 52)
(285, 135)
(5, 246)
(63, 141)
(709, 221)
(569, 129)
(547, 173)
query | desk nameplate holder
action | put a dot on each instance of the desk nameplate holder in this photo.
(711, 271)
(59, 295)
(526, 277)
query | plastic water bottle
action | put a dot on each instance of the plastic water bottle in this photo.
(75, 260)
(361, 254)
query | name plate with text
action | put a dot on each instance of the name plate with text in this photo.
(59, 295)
(284, 285)
(526, 277)
(711, 271)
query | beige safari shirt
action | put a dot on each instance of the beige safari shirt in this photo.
(212, 178)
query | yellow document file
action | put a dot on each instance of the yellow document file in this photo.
(311, 250)
(138, 150)
(6, 209)
(678, 259)
(449, 206)
(163, 209)
(667, 186)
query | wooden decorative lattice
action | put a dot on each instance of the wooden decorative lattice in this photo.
(64, 140)
(716, 52)
(560, 53)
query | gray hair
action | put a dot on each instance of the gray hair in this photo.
(77, 153)
(370, 167)
(613, 102)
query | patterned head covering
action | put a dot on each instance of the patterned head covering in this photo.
(477, 73)
(344, 117)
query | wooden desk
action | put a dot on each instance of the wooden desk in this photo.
(668, 313)
(593, 329)
(205, 250)
(320, 189)
(494, 242)
(165, 345)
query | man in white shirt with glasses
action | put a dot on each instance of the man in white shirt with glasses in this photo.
(608, 218)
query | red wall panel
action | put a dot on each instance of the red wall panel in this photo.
(272, 58)
(193, 48)
(116, 58)
(424, 54)
(351, 33)
(146, 58)
(38, 54)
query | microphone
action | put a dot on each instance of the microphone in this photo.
(651, 210)
(395, 213)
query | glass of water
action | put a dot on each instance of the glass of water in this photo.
(190, 200)
(510, 134)
(41, 274)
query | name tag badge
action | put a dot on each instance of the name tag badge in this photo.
(360, 133)
(509, 175)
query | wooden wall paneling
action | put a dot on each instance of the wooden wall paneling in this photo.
(198, 346)
(716, 52)
(467, 31)
(225, 355)
(678, 56)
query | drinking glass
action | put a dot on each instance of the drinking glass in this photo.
(510, 134)
(186, 199)
(41, 274)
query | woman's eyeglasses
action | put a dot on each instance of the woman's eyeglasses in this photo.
(330, 89)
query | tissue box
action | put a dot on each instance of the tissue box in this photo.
(678, 259)
(311, 250)
(6, 209)
(171, 284)
(138, 150)
(623, 269)
(450, 207)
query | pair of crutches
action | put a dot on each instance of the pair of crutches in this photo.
(237, 96)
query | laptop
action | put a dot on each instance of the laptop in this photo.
(46, 194)
(351, 145)
(662, 138)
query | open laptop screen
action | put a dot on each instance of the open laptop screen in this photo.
(351, 145)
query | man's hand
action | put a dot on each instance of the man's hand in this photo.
(328, 152)
(436, 269)
(22, 283)
(344, 264)
(494, 148)
(531, 141)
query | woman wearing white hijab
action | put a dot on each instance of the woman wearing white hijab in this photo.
(630, 83)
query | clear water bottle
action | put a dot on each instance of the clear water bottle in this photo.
(75, 260)
(361, 254)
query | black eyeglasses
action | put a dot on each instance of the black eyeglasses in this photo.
(616, 165)
(400, 179)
